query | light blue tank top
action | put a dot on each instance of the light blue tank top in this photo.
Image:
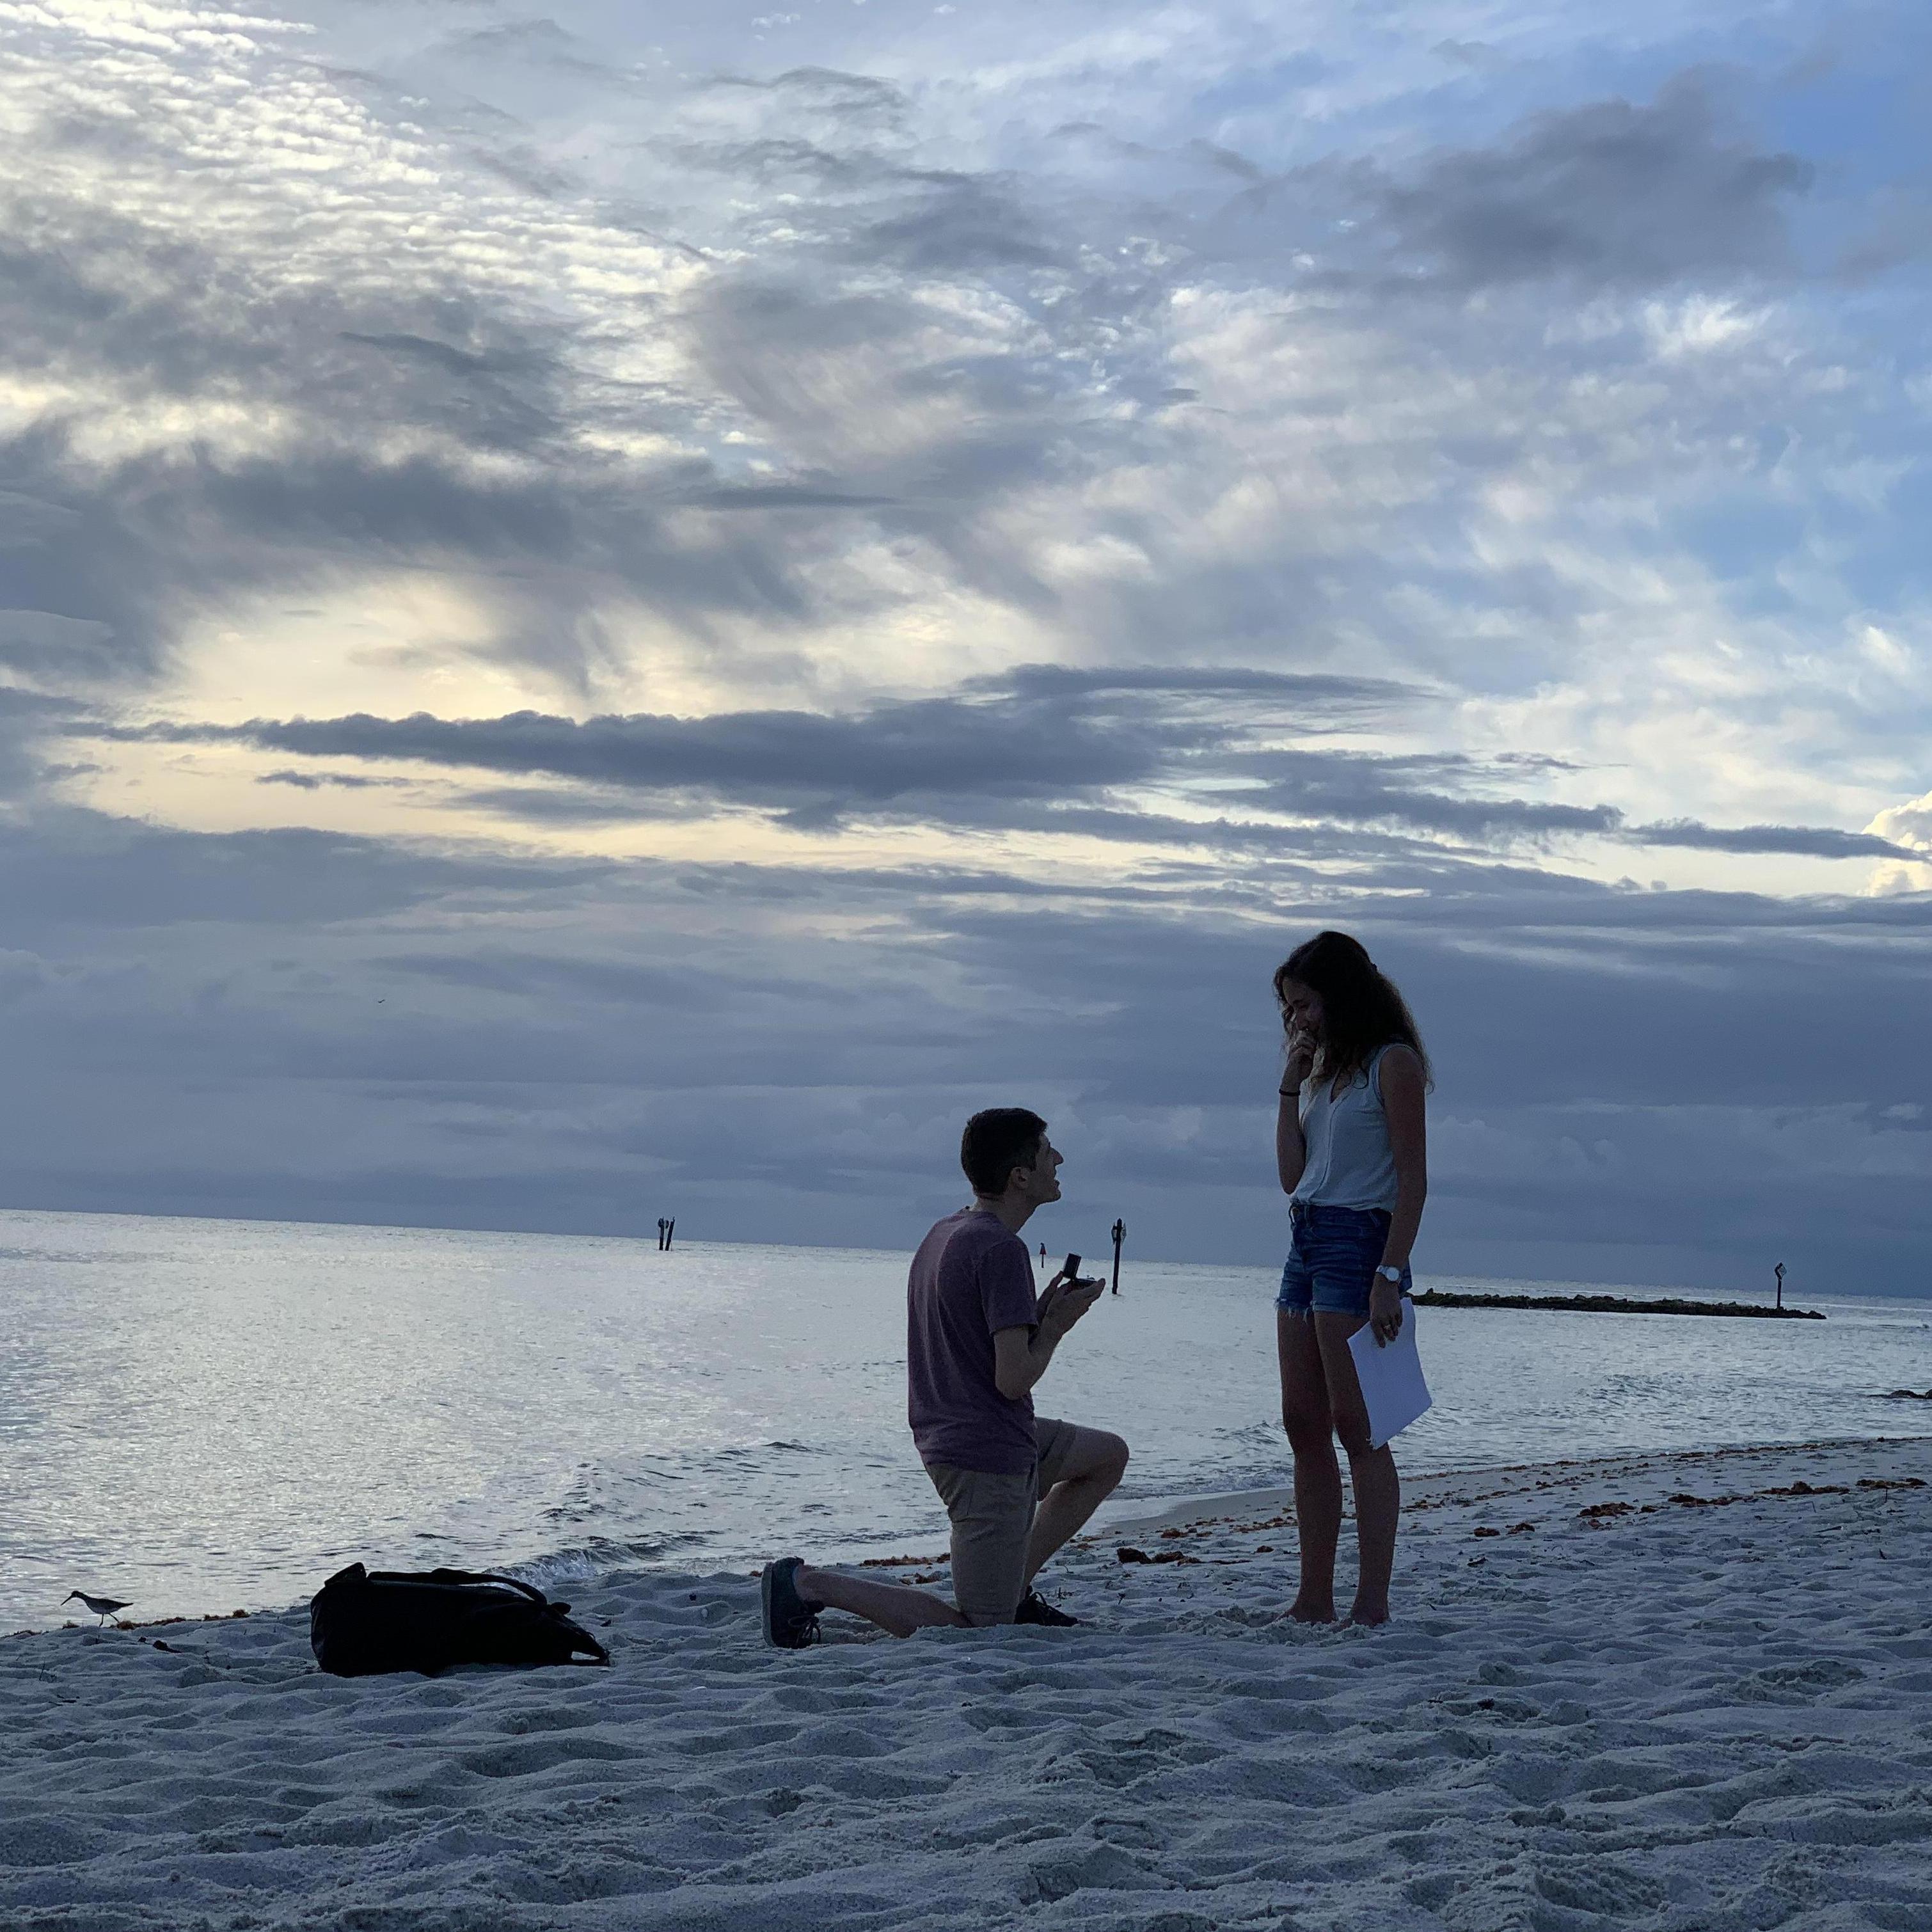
(1350, 1162)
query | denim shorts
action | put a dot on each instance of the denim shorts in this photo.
(1331, 1265)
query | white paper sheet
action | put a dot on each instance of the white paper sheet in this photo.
(1391, 1378)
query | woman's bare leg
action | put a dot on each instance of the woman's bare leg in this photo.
(1372, 1472)
(1318, 1476)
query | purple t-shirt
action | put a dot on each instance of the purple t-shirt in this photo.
(971, 1277)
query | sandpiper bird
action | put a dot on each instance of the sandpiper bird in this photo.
(103, 1607)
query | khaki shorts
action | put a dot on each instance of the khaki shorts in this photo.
(992, 1518)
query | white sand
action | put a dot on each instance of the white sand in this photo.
(1710, 1719)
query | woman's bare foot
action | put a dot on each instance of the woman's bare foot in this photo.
(1371, 1616)
(1303, 1611)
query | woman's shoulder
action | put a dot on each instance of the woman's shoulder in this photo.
(1396, 1057)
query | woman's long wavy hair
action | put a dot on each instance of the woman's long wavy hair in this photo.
(1360, 1008)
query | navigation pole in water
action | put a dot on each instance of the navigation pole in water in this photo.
(1779, 1271)
(1120, 1235)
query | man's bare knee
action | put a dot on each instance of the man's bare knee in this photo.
(1113, 1465)
(1354, 1436)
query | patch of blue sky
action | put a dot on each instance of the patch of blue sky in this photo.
(1881, 559)
(1868, 210)
(1248, 90)
(1265, 111)
(1740, 538)
(1868, 120)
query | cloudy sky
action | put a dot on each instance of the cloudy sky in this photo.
(632, 609)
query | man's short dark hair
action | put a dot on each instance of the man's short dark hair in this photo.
(995, 1142)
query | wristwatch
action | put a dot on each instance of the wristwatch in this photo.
(1394, 1274)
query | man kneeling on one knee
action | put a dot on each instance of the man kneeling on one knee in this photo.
(1015, 1485)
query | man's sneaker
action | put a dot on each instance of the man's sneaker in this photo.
(1034, 1609)
(790, 1622)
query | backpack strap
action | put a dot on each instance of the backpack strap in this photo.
(529, 1590)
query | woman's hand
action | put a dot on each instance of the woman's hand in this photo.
(1384, 1311)
(1301, 1057)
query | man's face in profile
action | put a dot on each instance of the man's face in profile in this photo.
(1040, 1182)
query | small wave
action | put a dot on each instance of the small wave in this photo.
(596, 1489)
(599, 1557)
(1247, 1432)
(751, 1452)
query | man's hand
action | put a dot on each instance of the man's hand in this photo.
(1066, 1301)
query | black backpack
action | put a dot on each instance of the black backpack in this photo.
(362, 1623)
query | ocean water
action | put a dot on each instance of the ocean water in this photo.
(206, 1415)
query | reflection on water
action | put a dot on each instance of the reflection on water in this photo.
(203, 1414)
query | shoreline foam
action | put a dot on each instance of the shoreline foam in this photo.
(1661, 1692)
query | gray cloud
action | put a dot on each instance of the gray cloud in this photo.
(1334, 695)
(1615, 193)
(994, 754)
(550, 805)
(796, 496)
(29, 722)
(1812, 840)
(330, 781)
(861, 97)
(444, 355)
(71, 569)
(43, 645)
(798, 760)
(960, 227)
(1044, 733)
(1363, 788)
(541, 43)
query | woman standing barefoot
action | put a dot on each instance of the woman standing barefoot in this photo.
(1350, 1146)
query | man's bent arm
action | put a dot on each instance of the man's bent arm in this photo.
(1020, 1357)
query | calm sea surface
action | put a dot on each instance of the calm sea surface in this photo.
(202, 1415)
